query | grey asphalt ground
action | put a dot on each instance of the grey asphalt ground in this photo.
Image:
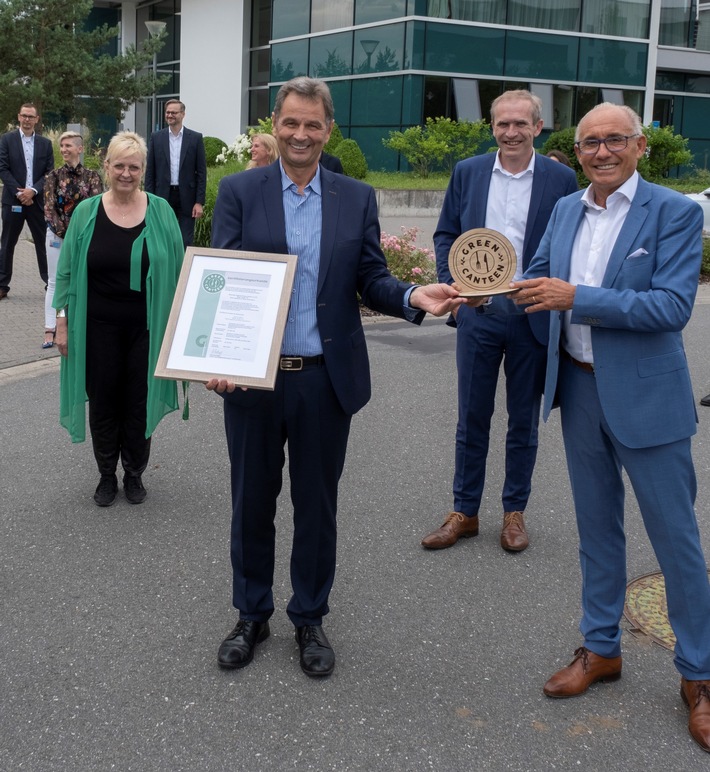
(110, 619)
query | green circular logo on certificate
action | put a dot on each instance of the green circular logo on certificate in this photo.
(214, 282)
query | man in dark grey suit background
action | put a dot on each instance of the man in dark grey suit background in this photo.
(177, 170)
(25, 159)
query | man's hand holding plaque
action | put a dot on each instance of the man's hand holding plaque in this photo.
(482, 262)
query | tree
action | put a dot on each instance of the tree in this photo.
(50, 58)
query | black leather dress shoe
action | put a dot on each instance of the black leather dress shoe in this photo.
(237, 649)
(705, 401)
(317, 655)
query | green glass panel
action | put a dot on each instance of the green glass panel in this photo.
(289, 60)
(622, 18)
(670, 81)
(331, 55)
(340, 90)
(369, 140)
(533, 55)
(695, 117)
(552, 14)
(379, 49)
(377, 101)
(614, 62)
(471, 50)
(412, 99)
(414, 46)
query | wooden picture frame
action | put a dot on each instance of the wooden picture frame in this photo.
(228, 317)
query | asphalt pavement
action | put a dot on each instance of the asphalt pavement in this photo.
(110, 619)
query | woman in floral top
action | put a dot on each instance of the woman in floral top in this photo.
(64, 188)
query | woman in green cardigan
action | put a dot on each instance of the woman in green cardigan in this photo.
(116, 278)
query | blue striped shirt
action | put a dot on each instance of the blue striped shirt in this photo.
(304, 222)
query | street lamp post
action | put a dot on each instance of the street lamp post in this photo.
(155, 29)
(369, 46)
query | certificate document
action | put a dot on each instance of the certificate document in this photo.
(228, 317)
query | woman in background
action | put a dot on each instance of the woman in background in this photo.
(264, 150)
(116, 278)
(64, 188)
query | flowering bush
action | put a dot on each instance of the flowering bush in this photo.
(406, 260)
(240, 150)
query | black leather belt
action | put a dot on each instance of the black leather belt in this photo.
(294, 364)
(586, 366)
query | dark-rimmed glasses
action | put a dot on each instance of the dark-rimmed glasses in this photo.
(613, 144)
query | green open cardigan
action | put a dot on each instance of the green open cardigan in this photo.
(165, 252)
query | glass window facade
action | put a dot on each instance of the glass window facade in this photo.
(532, 55)
(290, 18)
(475, 50)
(331, 55)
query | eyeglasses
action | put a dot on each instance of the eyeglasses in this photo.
(29, 117)
(173, 112)
(612, 144)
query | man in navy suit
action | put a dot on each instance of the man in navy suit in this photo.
(25, 159)
(624, 257)
(513, 192)
(329, 221)
(177, 170)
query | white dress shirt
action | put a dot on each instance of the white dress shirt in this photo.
(592, 248)
(175, 148)
(508, 204)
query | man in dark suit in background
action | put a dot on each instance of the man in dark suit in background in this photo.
(513, 192)
(329, 221)
(25, 159)
(177, 170)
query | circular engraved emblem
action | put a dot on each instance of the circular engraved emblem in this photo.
(213, 282)
(482, 262)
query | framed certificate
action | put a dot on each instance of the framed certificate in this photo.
(228, 317)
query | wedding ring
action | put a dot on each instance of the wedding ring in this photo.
(533, 299)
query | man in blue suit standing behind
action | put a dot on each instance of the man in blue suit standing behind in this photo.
(329, 221)
(177, 169)
(512, 191)
(623, 259)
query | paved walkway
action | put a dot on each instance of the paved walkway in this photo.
(110, 619)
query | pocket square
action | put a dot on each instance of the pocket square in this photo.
(638, 253)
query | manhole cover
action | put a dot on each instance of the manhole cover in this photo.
(647, 610)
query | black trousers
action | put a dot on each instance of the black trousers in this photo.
(117, 387)
(185, 219)
(12, 225)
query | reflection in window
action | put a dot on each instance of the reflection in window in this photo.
(331, 55)
(475, 50)
(289, 60)
(290, 18)
(327, 14)
(534, 55)
(552, 14)
(627, 18)
(379, 49)
(610, 61)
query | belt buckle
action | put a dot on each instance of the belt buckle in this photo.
(291, 363)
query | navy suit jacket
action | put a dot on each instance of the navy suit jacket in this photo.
(636, 316)
(465, 208)
(13, 170)
(192, 177)
(249, 215)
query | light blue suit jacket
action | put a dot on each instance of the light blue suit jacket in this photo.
(637, 315)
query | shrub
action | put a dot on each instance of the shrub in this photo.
(665, 150)
(336, 137)
(440, 141)
(213, 147)
(564, 141)
(407, 261)
(203, 226)
(352, 158)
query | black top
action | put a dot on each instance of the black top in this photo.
(110, 298)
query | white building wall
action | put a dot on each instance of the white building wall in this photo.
(214, 73)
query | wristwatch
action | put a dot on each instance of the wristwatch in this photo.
(61, 313)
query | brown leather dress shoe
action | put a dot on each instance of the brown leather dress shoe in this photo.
(3, 293)
(585, 669)
(455, 526)
(696, 695)
(513, 537)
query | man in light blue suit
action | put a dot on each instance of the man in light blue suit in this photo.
(623, 259)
